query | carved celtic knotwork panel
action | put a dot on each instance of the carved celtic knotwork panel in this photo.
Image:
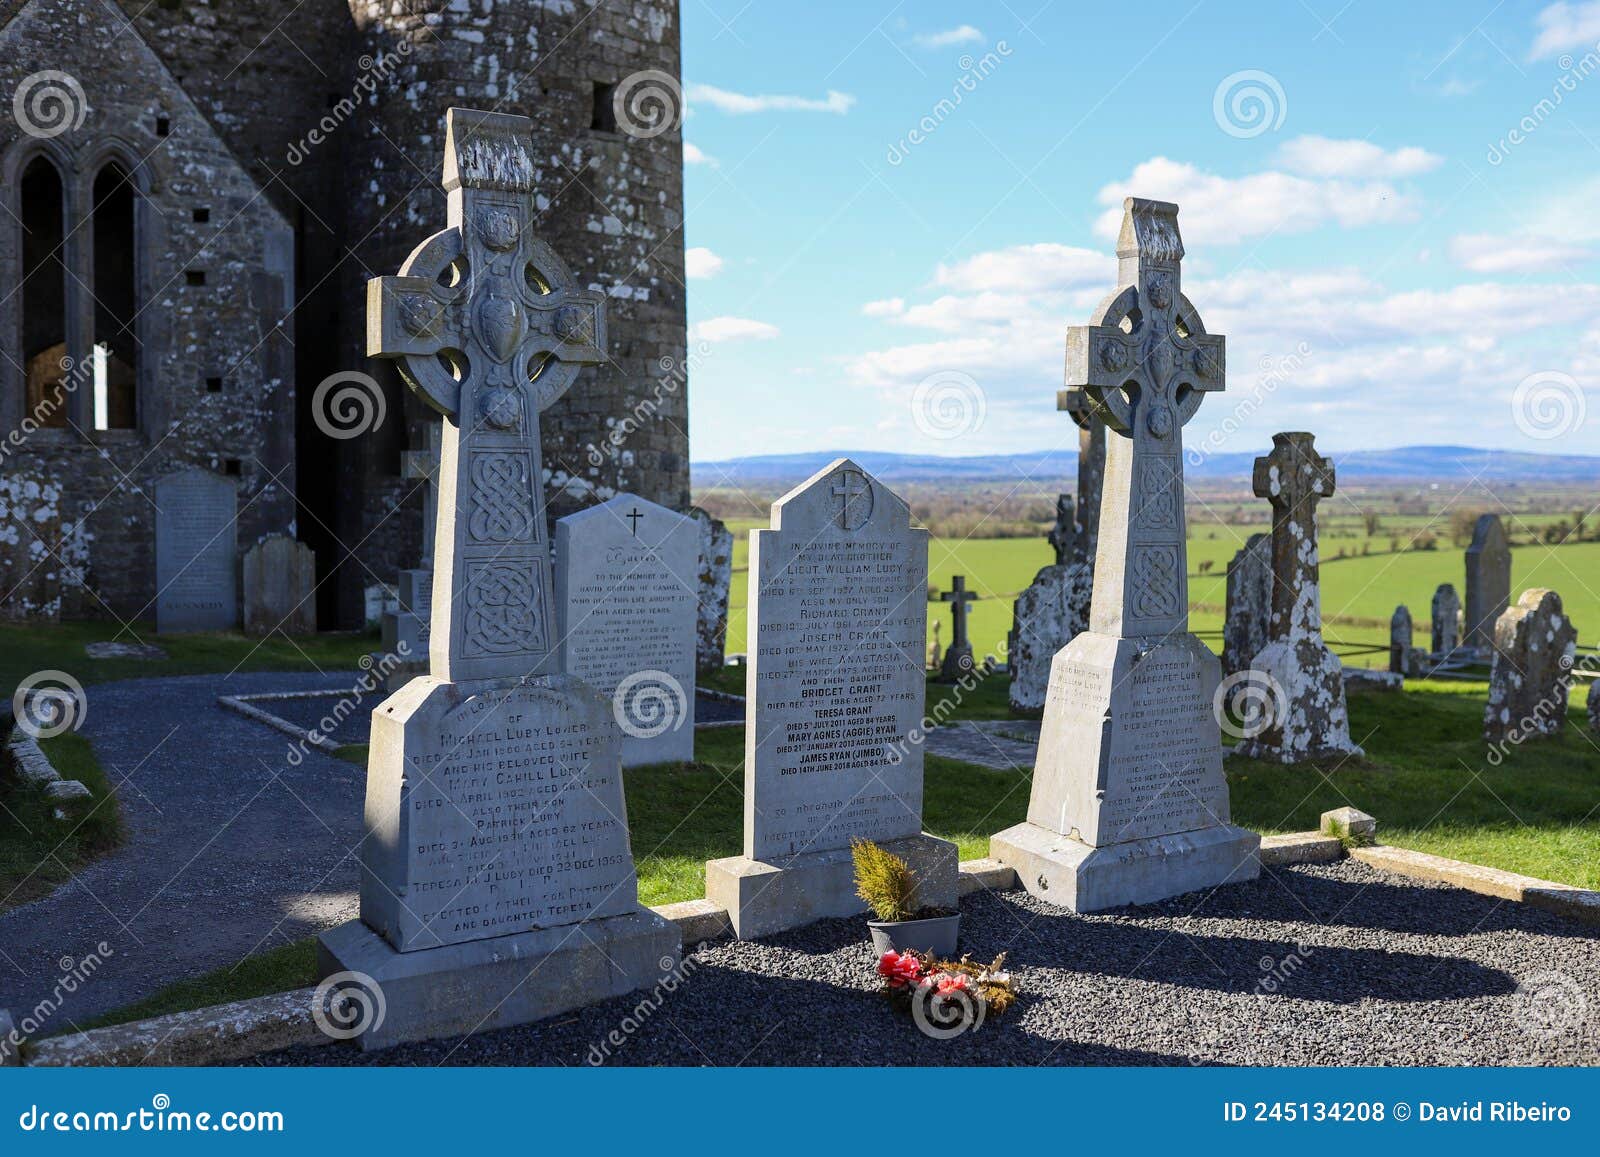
(505, 609)
(501, 497)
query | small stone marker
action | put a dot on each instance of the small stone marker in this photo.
(834, 693)
(197, 552)
(1488, 581)
(1531, 673)
(1446, 621)
(1249, 608)
(280, 587)
(1129, 803)
(1351, 824)
(1400, 635)
(958, 659)
(627, 599)
(1304, 678)
(716, 580)
(497, 880)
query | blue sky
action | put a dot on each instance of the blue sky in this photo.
(1399, 240)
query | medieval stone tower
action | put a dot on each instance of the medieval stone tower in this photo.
(197, 240)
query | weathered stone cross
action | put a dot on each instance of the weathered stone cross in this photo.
(1143, 368)
(487, 327)
(1294, 478)
(959, 596)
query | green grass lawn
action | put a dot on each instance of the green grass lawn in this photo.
(1359, 592)
(38, 852)
(26, 649)
(1425, 777)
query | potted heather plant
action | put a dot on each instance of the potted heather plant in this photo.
(889, 886)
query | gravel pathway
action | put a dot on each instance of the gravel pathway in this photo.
(231, 848)
(1364, 968)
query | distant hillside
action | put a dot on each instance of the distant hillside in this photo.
(1410, 463)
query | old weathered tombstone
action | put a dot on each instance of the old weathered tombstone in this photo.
(280, 587)
(1091, 479)
(1129, 803)
(835, 693)
(1591, 703)
(31, 567)
(406, 629)
(958, 659)
(197, 552)
(497, 879)
(1249, 605)
(1400, 635)
(716, 580)
(1446, 621)
(1042, 623)
(1063, 536)
(1303, 677)
(627, 593)
(1531, 672)
(1488, 582)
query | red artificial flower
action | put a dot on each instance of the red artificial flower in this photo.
(898, 968)
(952, 983)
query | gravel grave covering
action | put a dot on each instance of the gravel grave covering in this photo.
(1336, 964)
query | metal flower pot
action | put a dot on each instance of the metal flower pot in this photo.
(936, 935)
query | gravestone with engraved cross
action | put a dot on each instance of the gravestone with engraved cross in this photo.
(1300, 680)
(497, 879)
(406, 630)
(958, 659)
(834, 695)
(627, 593)
(1129, 803)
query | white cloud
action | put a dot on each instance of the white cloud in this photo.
(964, 34)
(1314, 156)
(1566, 26)
(721, 329)
(694, 155)
(888, 307)
(1369, 361)
(700, 262)
(1221, 210)
(739, 103)
(1515, 253)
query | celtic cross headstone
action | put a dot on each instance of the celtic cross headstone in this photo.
(496, 838)
(1301, 678)
(1129, 804)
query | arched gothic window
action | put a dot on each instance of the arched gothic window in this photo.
(44, 292)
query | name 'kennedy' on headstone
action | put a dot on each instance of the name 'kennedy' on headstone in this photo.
(835, 686)
(196, 552)
(627, 599)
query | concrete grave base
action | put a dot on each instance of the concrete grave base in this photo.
(509, 980)
(764, 898)
(1074, 875)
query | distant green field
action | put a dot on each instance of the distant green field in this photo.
(1357, 587)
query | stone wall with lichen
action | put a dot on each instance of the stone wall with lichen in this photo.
(214, 275)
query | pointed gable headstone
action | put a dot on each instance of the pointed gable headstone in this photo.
(1446, 621)
(834, 695)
